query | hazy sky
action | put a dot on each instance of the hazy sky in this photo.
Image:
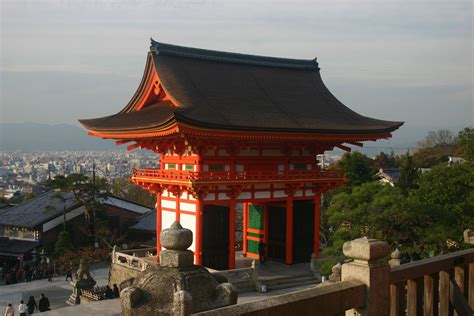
(401, 60)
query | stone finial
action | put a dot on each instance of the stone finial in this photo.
(365, 249)
(176, 240)
(336, 273)
(469, 236)
(395, 256)
(176, 237)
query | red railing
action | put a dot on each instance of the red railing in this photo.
(233, 176)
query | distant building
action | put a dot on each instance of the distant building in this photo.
(388, 175)
(36, 223)
(452, 160)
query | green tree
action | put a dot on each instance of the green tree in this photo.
(372, 209)
(63, 244)
(124, 189)
(86, 191)
(450, 190)
(357, 167)
(383, 160)
(435, 148)
(408, 174)
(466, 140)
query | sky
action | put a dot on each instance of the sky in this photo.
(400, 60)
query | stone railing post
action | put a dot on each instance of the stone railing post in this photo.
(369, 267)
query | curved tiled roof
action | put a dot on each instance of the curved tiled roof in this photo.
(220, 90)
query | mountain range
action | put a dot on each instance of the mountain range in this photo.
(43, 137)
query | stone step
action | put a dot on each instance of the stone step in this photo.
(290, 281)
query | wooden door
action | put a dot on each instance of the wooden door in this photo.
(303, 230)
(215, 241)
(276, 233)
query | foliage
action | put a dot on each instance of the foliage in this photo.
(85, 191)
(357, 167)
(435, 138)
(408, 174)
(63, 244)
(124, 189)
(326, 267)
(449, 189)
(435, 148)
(90, 254)
(466, 141)
(382, 161)
(371, 209)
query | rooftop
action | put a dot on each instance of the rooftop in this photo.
(229, 91)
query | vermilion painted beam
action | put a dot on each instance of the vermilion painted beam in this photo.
(344, 147)
(132, 147)
(356, 144)
(289, 231)
(123, 141)
(232, 234)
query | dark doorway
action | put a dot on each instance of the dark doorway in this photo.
(276, 233)
(215, 239)
(303, 230)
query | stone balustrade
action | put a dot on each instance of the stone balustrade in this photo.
(133, 258)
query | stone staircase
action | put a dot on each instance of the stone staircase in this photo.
(289, 281)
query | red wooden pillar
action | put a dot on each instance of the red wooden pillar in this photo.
(317, 222)
(265, 229)
(232, 234)
(158, 225)
(198, 240)
(289, 231)
(245, 225)
(178, 210)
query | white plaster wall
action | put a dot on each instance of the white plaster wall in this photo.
(187, 207)
(244, 195)
(167, 218)
(279, 194)
(189, 222)
(168, 204)
(262, 195)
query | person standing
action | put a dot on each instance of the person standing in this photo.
(9, 311)
(43, 304)
(69, 272)
(31, 305)
(261, 251)
(22, 308)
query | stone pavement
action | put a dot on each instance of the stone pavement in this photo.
(57, 291)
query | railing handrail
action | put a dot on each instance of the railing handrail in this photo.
(136, 250)
(323, 300)
(235, 175)
(418, 269)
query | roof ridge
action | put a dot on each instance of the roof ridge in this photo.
(214, 55)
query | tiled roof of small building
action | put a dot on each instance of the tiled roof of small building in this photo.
(146, 223)
(38, 210)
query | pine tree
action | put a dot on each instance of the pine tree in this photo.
(63, 244)
(409, 174)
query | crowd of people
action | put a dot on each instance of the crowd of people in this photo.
(30, 307)
(20, 274)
